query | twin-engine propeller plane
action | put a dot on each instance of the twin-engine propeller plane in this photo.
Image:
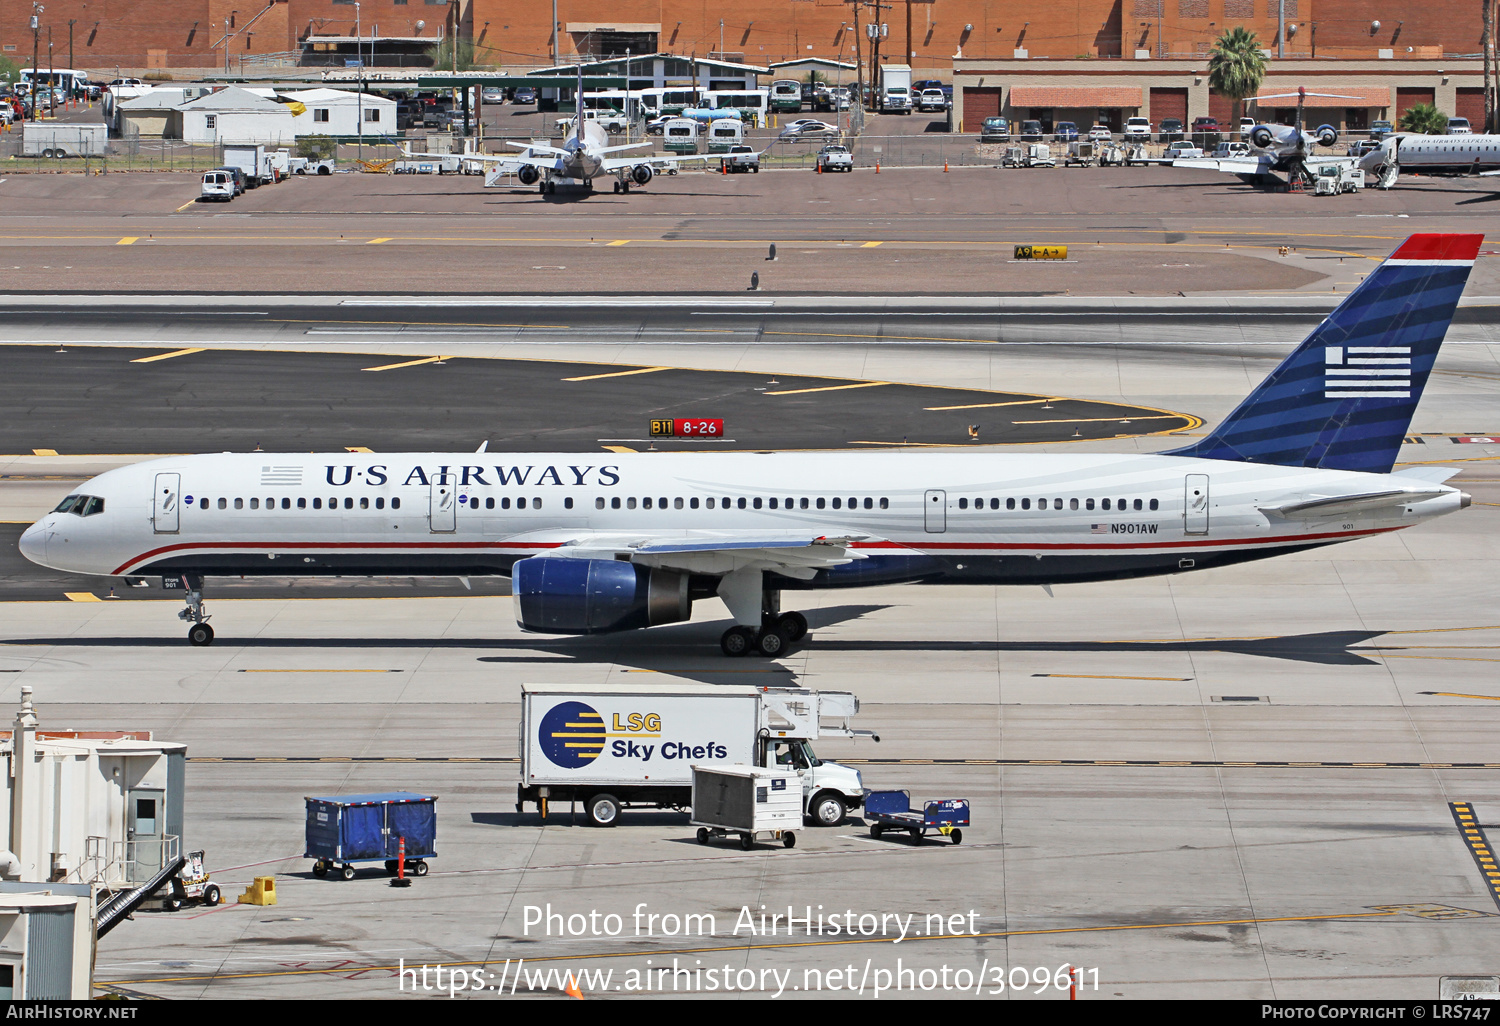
(630, 541)
(1282, 152)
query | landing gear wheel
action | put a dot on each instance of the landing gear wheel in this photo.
(828, 810)
(603, 810)
(737, 641)
(419, 868)
(211, 895)
(747, 841)
(200, 634)
(617, 187)
(771, 643)
(625, 187)
(347, 872)
(703, 835)
(541, 187)
(793, 625)
(320, 869)
(789, 840)
(551, 188)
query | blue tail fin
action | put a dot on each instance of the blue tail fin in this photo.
(1345, 398)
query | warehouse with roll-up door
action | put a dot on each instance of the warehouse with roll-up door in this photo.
(1086, 91)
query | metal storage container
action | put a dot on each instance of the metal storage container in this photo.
(369, 828)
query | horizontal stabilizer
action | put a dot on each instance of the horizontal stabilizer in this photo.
(1338, 505)
(1433, 475)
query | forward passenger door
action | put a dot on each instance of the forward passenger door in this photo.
(935, 511)
(165, 503)
(444, 504)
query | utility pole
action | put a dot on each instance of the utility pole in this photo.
(70, 42)
(36, 37)
(859, 73)
(554, 33)
(51, 78)
(359, 103)
(909, 50)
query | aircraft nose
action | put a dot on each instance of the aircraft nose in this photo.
(33, 543)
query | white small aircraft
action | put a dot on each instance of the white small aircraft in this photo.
(1408, 152)
(1307, 459)
(1283, 149)
(583, 156)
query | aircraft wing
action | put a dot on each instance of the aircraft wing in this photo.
(1338, 505)
(713, 552)
(1229, 165)
(615, 163)
(478, 158)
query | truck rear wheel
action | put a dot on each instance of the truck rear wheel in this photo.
(604, 810)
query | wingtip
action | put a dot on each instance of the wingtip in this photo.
(1436, 246)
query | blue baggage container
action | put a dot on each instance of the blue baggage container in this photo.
(354, 828)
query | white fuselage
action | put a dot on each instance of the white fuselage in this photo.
(1410, 152)
(953, 518)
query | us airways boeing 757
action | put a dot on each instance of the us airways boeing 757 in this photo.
(595, 544)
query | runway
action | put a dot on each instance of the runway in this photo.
(1234, 783)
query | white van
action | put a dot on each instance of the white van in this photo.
(218, 185)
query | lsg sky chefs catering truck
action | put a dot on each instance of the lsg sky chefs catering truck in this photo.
(615, 747)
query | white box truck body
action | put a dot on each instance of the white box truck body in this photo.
(250, 159)
(895, 89)
(615, 747)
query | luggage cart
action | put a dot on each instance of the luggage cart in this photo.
(891, 810)
(348, 829)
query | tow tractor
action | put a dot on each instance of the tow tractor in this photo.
(191, 884)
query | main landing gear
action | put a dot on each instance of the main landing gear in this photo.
(623, 185)
(776, 634)
(200, 633)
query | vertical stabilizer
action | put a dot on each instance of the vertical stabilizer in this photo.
(1344, 399)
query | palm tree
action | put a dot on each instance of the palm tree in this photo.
(1424, 119)
(1236, 66)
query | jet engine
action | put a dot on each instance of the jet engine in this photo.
(1262, 136)
(641, 174)
(1327, 135)
(528, 174)
(595, 596)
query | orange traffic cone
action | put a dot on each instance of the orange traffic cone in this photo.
(945, 167)
(572, 988)
(818, 168)
(877, 167)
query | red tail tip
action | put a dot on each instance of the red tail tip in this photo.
(1439, 247)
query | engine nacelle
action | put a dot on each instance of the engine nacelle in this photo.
(595, 596)
(1262, 136)
(641, 174)
(528, 174)
(1327, 135)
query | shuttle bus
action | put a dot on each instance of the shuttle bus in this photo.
(670, 100)
(73, 83)
(753, 104)
(786, 96)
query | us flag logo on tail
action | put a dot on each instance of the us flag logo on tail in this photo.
(1367, 372)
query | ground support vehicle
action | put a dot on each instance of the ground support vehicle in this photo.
(1081, 154)
(348, 829)
(1032, 155)
(1334, 179)
(191, 884)
(308, 166)
(895, 89)
(616, 747)
(748, 802)
(253, 160)
(740, 159)
(891, 811)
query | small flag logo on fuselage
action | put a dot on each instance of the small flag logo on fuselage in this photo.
(1367, 372)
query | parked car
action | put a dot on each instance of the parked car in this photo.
(835, 158)
(931, 100)
(918, 88)
(1101, 133)
(1246, 124)
(994, 130)
(1381, 129)
(1459, 126)
(1137, 129)
(492, 94)
(239, 178)
(1031, 131)
(1065, 131)
(1362, 146)
(803, 127)
(1206, 131)
(524, 95)
(1181, 149)
(656, 126)
(1232, 149)
(1171, 130)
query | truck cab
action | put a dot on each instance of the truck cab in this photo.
(830, 790)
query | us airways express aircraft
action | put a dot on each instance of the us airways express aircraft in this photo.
(618, 542)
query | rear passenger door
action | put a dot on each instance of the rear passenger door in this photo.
(935, 511)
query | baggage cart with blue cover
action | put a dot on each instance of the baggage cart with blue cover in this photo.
(348, 829)
(891, 810)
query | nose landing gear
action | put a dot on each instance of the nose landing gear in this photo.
(200, 633)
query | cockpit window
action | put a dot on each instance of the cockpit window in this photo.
(82, 505)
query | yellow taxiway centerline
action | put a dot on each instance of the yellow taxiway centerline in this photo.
(619, 374)
(167, 356)
(830, 388)
(408, 363)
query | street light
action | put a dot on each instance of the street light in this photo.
(36, 36)
(359, 103)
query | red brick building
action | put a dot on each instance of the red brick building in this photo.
(145, 34)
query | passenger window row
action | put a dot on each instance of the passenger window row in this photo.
(1105, 504)
(286, 503)
(775, 502)
(81, 505)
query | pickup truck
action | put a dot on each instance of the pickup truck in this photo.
(740, 159)
(835, 158)
(611, 121)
